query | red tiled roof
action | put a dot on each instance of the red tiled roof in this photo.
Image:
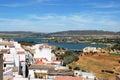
(5, 51)
(67, 78)
(20, 52)
(57, 61)
(40, 60)
(22, 60)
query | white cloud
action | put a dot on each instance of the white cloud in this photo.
(103, 5)
(51, 23)
(40, 17)
(18, 4)
(109, 23)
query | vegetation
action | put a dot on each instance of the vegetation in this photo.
(74, 66)
(76, 36)
(69, 57)
(107, 71)
(104, 66)
(27, 43)
(116, 46)
(115, 55)
(21, 34)
(82, 32)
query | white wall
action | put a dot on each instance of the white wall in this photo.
(31, 73)
(43, 53)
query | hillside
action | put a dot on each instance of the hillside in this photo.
(83, 32)
(103, 66)
(21, 34)
(62, 33)
(118, 33)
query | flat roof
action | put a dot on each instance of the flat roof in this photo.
(44, 67)
(61, 72)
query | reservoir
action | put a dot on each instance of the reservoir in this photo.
(69, 46)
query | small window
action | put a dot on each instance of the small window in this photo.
(4, 65)
(5, 46)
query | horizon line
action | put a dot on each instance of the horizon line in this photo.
(59, 31)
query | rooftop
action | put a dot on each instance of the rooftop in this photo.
(15, 69)
(45, 67)
(9, 43)
(61, 72)
(20, 52)
(67, 78)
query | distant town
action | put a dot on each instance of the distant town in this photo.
(28, 60)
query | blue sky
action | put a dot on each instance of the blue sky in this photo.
(59, 15)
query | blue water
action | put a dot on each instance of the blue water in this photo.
(70, 46)
(76, 46)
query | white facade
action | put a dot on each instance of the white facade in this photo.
(90, 49)
(43, 52)
(88, 76)
(13, 55)
(85, 75)
(33, 71)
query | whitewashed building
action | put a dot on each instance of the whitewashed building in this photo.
(85, 75)
(91, 49)
(43, 55)
(13, 57)
(43, 51)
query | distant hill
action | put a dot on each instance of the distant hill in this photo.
(21, 34)
(118, 33)
(62, 33)
(83, 32)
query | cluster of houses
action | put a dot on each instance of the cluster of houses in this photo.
(100, 50)
(93, 50)
(21, 64)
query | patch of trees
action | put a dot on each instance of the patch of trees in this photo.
(107, 71)
(27, 43)
(69, 57)
(116, 46)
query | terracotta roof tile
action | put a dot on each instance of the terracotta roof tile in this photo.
(20, 52)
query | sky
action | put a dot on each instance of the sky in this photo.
(59, 15)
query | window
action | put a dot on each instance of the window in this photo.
(40, 75)
(4, 65)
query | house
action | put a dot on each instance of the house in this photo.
(88, 76)
(85, 75)
(13, 56)
(43, 55)
(43, 51)
(93, 50)
(39, 71)
(89, 49)
(47, 71)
